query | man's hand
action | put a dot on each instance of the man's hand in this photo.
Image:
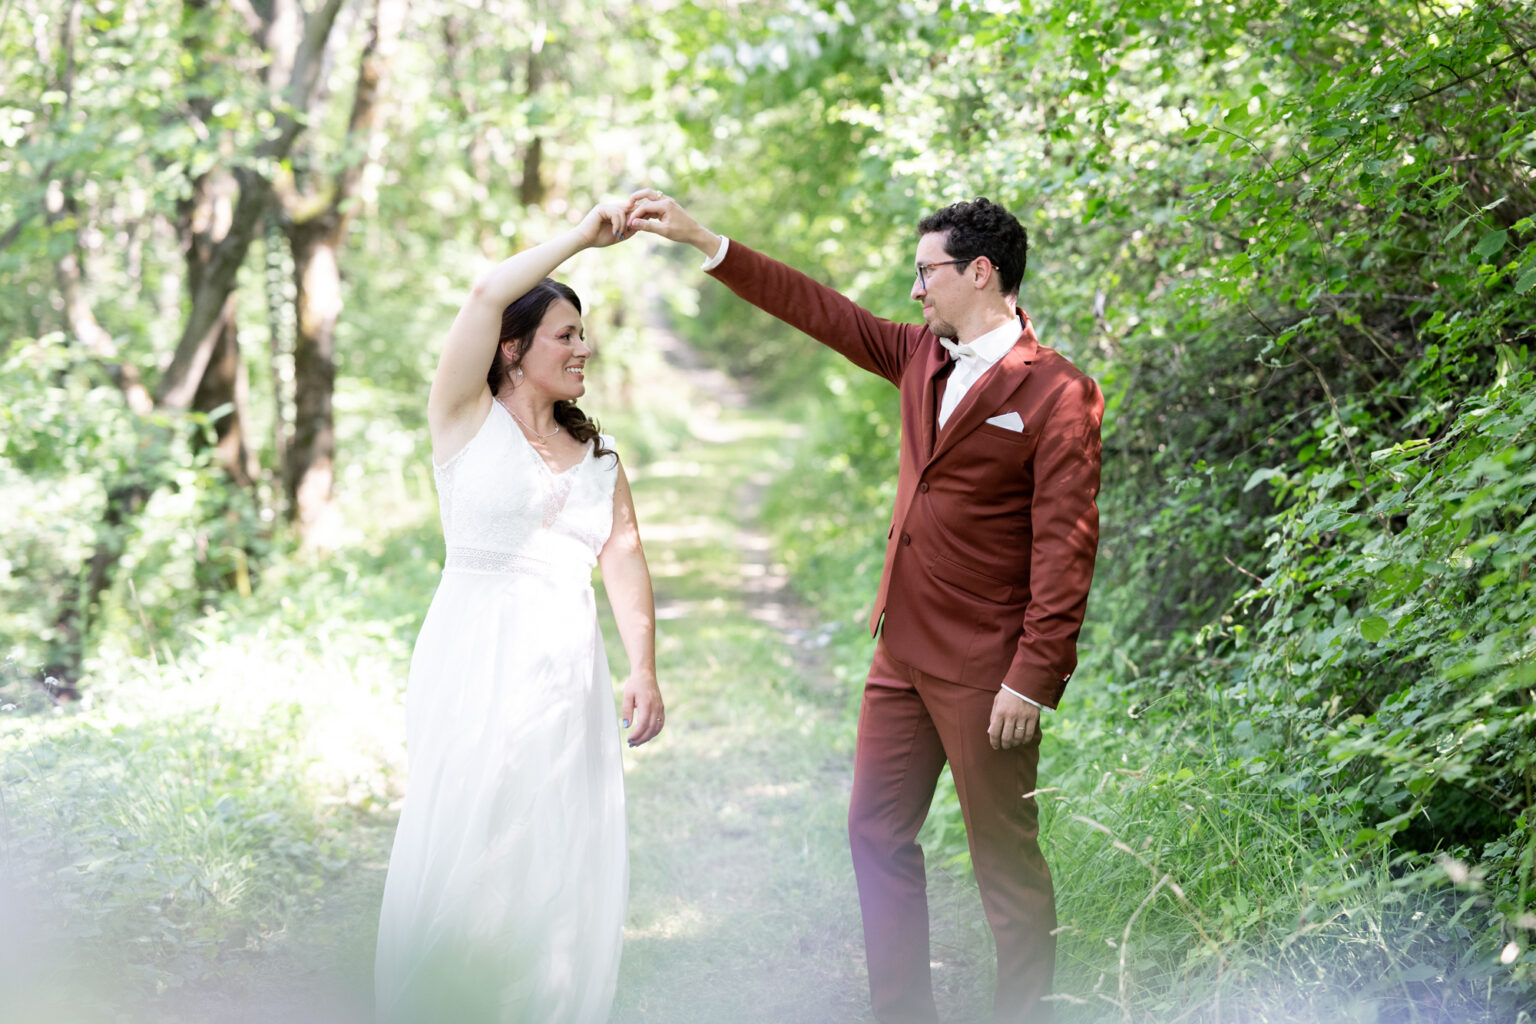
(650, 210)
(1015, 721)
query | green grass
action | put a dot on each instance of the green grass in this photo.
(742, 903)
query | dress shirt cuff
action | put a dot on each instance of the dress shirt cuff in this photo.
(719, 256)
(1019, 695)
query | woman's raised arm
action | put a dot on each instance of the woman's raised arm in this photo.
(459, 391)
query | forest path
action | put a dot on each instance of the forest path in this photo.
(742, 904)
(743, 907)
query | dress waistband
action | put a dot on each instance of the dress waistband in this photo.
(498, 563)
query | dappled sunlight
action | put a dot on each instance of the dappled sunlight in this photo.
(674, 530)
(659, 471)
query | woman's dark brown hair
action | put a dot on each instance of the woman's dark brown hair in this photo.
(519, 321)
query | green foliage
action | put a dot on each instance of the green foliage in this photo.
(1292, 241)
(1215, 881)
(67, 442)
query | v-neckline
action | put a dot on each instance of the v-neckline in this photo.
(516, 429)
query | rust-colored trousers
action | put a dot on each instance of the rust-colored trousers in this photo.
(909, 725)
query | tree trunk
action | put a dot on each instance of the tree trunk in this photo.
(221, 220)
(216, 227)
(207, 374)
(223, 393)
(317, 230)
(311, 454)
(531, 191)
(77, 612)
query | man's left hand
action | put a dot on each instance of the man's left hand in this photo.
(1015, 721)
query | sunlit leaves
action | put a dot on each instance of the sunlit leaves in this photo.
(1374, 628)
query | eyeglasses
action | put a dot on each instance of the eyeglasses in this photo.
(924, 269)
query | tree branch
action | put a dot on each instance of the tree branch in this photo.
(302, 81)
(1470, 75)
(255, 22)
(70, 276)
(14, 231)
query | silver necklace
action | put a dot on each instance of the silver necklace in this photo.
(526, 427)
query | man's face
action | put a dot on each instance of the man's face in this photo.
(944, 290)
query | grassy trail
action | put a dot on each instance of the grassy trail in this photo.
(742, 903)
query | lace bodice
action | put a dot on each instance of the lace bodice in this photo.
(503, 509)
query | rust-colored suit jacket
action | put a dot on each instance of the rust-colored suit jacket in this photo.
(994, 532)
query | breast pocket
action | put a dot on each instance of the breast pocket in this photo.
(1024, 440)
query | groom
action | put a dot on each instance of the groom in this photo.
(987, 568)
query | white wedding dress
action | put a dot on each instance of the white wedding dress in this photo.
(508, 883)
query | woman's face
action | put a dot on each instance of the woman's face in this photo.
(555, 363)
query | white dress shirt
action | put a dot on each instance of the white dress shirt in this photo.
(975, 358)
(972, 360)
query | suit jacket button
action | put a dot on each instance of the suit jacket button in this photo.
(906, 540)
(923, 487)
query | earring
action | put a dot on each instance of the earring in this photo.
(519, 371)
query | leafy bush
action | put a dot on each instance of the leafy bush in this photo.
(69, 450)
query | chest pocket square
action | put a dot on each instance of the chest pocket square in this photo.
(1008, 421)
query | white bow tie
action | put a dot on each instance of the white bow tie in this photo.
(958, 350)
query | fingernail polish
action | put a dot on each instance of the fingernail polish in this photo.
(626, 723)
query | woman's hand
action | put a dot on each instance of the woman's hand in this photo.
(604, 225)
(643, 713)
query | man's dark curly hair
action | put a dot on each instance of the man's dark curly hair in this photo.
(982, 228)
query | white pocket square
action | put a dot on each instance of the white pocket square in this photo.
(1008, 421)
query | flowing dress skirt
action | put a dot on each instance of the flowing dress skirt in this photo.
(509, 878)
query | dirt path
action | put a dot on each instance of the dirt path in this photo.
(742, 903)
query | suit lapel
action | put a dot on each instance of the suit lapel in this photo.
(995, 386)
(928, 408)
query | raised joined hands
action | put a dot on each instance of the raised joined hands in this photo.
(651, 210)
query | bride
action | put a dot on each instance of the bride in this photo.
(507, 885)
